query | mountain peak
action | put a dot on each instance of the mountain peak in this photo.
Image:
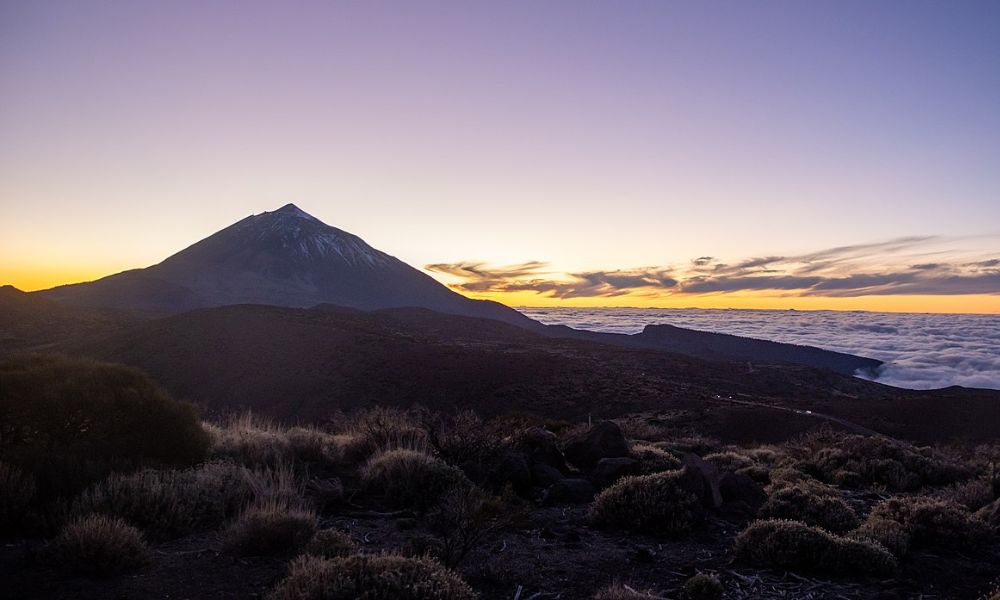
(291, 210)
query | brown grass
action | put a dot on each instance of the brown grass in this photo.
(99, 545)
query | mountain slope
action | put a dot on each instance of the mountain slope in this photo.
(284, 258)
(308, 364)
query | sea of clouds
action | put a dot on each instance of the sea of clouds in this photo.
(921, 351)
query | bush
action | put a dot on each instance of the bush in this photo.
(408, 478)
(656, 502)
(703, 587)
(464, 519)
(654, 460)
(252, 440)
(331, 543)
(16, 492)
(464, 440)
(99, 545)
(385, 428)
(794, 545)
(620, 591)
(729, 461)
(70, 422)
(928, 521)
(893, 536)
(271, 528)
(383, 577)
(880, 461)
(170, 503)
(799, 503)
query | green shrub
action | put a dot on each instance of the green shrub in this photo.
(929, 521)
(656, 502)
(370, 577)
(794, 545)
(16, 492)
(70, 422)
(271, 528)
(98, 545)
(408, 478)
(799, 503)
(171, 503)
(703, 587)
(331, 543)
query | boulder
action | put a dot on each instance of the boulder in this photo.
(604, 440)
(569, 491)
(610, 470)
(539, 445)
(543, 475)
(738, 487)
(711, 497)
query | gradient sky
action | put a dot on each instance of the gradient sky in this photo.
(581, 137)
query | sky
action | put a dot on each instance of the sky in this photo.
(834, 155)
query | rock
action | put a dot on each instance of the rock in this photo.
(539, 445)
(645, 555)
(514, 469)
(604, 440)
(711, 497)
(569, 491)
(543, 475)
(738, 487)
(610, 470)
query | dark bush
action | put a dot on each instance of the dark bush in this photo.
(331, 543)
(799, 503)
(929, 521)
(16, 492)
(703, 587)
(411, 479)
(794, 545)
(658, 503)
(70, 422)
(372, 577)
(98, 545)
(272, 528)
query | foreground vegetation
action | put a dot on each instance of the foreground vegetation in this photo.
(104, 475)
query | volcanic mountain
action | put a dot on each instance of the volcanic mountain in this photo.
(289, 258)
(284, 257)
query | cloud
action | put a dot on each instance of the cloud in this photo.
(920, 351)
(893, 267)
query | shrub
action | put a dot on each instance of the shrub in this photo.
(654, 460)
(880, 461)
(703, 587)
(729, 461)
(70, 422)
(656, 502)
(99, 545)
(16, 492)
(464, 440)
(408, 478)
(928, 521)
(385, 428)
(972, 495)
(169, 503)
(253, 440)
(798, 503)
(464, 519)
(331, 543)
(271, 528)
(893, 536)
(794, 545)
(371, 577)
(618, 591)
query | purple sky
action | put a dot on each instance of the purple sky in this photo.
(588, 135)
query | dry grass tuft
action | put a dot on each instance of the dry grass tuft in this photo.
(271, 528)
(99, 545)
(703, 586)
(799, 502)
(331, 543)
(655, 502)
(412, 479)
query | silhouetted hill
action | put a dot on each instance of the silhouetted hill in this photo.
(285, 258)
(307, 364)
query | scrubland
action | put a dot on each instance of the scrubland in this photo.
(109, 487)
